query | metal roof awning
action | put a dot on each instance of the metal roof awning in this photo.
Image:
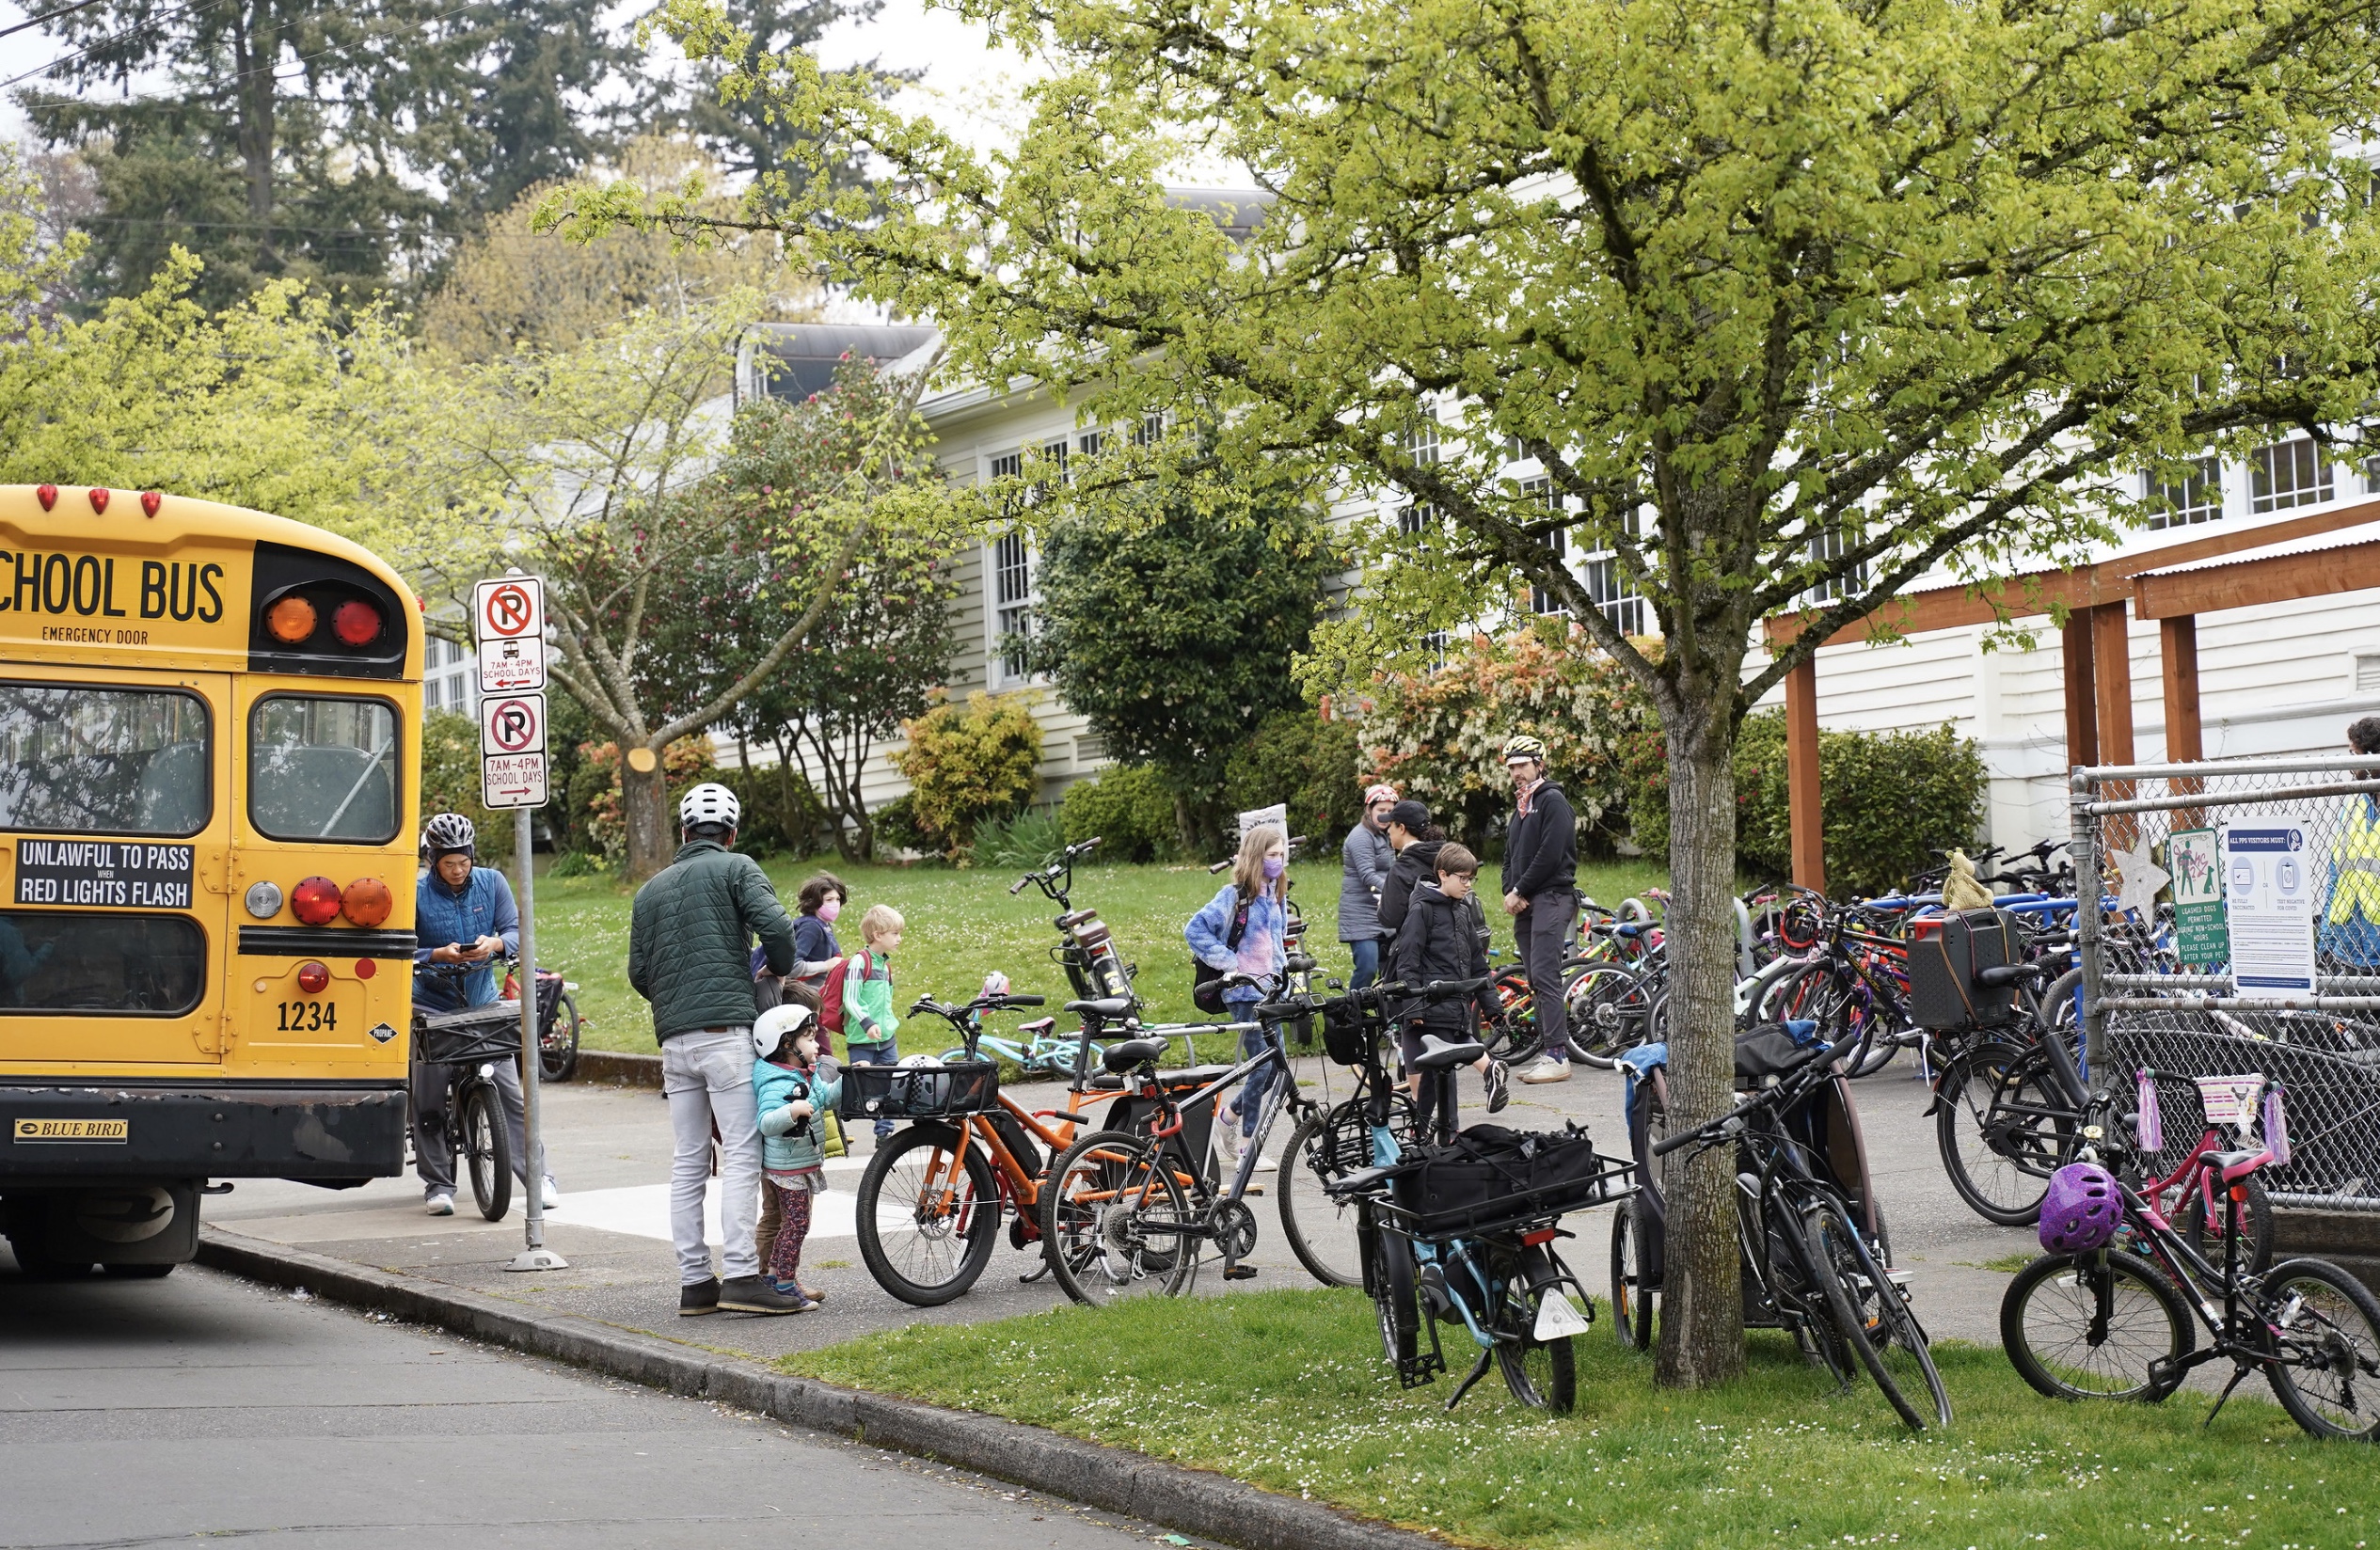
(2316, 566)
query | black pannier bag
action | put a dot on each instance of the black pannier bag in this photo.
(1349, 1030)
(919, 1092)
(1765, 1053)
(1494, 1174)
(1946, 953)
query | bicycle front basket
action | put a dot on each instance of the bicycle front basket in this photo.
(469, 1037)
(1491, 1175)
(1348, 1030)
(919, 1092)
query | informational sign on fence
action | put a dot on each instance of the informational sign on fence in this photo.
(2195, 862)
(2270, 886)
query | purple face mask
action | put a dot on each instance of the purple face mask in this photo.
(1274, 867)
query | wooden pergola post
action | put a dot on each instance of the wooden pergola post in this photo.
(1802, 805)
(2178, 647)
(2082, 701)
(2111, 659)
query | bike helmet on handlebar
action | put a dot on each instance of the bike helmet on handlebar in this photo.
(447, 833)
(2081, 1211)
(707, 805)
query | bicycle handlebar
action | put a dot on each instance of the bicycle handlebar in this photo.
(1765, 1098)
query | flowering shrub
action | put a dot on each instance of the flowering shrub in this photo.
(968, 763)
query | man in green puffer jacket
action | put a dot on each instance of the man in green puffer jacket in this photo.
(690, 954)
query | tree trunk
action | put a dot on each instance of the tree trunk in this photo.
(644, 803)
(1702, 1309)
(255, 50)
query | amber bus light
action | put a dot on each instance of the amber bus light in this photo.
(292, 620)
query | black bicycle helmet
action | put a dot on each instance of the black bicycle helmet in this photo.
(447, 833)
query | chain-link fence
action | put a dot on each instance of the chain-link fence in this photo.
(2244, 936)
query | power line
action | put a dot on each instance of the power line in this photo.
(47, 17)
(134, 30)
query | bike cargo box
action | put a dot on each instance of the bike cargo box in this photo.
(468, 1038)
(1946, 953)
(1492, 1175)
(919, 1092)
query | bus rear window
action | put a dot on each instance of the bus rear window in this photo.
(57, 961)
(88, 759)
(323, 767)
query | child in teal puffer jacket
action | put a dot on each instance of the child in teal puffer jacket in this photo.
(794, 1087)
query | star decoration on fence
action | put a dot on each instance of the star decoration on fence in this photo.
(2142, 878)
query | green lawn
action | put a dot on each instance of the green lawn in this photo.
(963, 923)
(1288, 1389)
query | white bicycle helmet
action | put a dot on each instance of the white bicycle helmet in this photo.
(710, 803)
(446, 833)
(774, 1024)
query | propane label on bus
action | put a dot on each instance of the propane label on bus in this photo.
(129, 874)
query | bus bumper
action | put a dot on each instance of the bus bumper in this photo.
(61, 1132)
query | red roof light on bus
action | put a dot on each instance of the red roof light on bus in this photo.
(357, 622)
(292, 620)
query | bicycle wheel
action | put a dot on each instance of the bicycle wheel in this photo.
(1541, 1375)
(1611, 1011)
(1873, 1318)
(1634, 1296)
(558, 1042)
(1322, 1232)
(2002, 1130)
(925, 1235)
(1512, 1035)
(487, 1149)
(2088, 1326)
(1114, 1224)
(2205, 1233)
(2326, 1338)
(1395, 1295)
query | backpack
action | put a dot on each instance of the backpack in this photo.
(1206, 981)
(831, 994)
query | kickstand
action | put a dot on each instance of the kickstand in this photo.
(1479, 1370)
(1035, 1273)
(2239, 1376)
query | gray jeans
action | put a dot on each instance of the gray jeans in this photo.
(1542, 934)
(706, 1077)
(435, 1130)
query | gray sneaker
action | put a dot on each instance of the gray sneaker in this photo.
(439, 1203)
(757, 1294)
(1499, 1086)
(1547, 1070)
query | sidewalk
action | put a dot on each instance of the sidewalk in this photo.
(610, 1151)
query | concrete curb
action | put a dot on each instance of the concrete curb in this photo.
(1192, 1501)
(618, 1065)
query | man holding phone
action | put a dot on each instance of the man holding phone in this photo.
(468, 911)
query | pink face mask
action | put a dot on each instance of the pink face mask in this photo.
(829, 907)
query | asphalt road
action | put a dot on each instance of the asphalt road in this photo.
(141, 1412)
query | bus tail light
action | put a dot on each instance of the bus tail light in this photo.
(357, 622)
(313, 978)
(366, 901)
(315, 901)
(292, 620)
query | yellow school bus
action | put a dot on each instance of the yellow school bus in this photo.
(208, 739)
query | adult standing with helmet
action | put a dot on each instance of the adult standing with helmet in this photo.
(1364, 861)
(1540, 893)
(690, 934)
(467, 911)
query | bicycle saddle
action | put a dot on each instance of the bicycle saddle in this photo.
(2224, 1162)
(1358, 1182)
(1132, 1052)
(1039, 1025)
(1438, 1053)
(1106, 1008)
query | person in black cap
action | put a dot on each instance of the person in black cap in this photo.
(1417, 842)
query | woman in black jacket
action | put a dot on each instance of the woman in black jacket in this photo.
(1440, 940)
(1417, 842)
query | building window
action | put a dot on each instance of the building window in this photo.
(1089, 748)
(2288, 474)
(1012, 603)
(449, 677)
(1089, 442)
(1541, 492)
(1151, 431)
(1416, 517)
(2197, 497)
(1608, 586)
(2372, 476)
(1434, 647)
(1827, 546)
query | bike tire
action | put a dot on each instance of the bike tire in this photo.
(1635, 1297)
(1396, 1297)
(1541, 1375)
(1869, 1314)
(2048, 1318)
(558, 1051)
(1611, 1012)
(1511, 1036)
(1097, 1201)
(1323, 1233)
(2205, 1235)
(936, 1251)
(2002, 1130)
(2323, 1321)
(487, 1149)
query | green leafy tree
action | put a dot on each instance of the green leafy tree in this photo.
(1169, 622)
(740, 129)
(969, 763)
(1792, 304)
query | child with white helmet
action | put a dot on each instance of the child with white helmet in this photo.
(793, 1088)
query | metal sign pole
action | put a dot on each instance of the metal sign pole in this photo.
(535, 1255)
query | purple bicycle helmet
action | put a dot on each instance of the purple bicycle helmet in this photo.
(2081, 1211)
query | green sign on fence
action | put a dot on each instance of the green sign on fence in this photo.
(2200, 936)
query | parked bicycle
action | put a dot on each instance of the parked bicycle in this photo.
(2113, 1310)
(1086, 949)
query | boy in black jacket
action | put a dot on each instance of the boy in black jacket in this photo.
(1440, 940)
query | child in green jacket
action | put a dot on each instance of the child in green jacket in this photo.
(793, 1088)
(868, 1023)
